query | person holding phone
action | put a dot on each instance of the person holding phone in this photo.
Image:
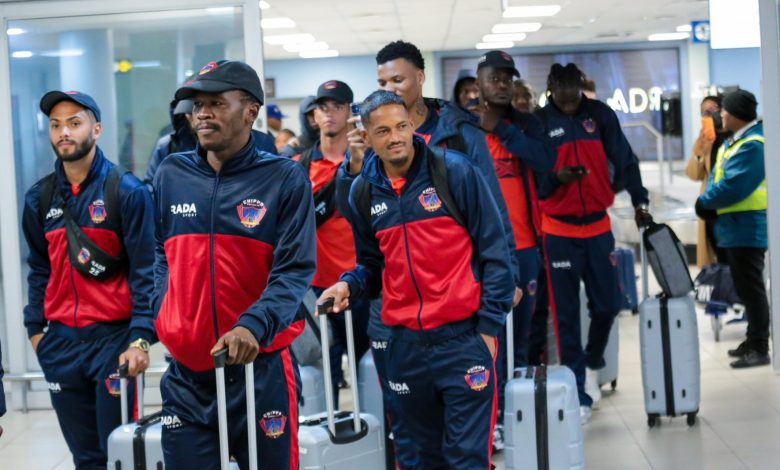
(699, 168)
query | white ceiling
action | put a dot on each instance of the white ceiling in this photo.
(360, 27)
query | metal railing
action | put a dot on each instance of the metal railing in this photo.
(659, 146)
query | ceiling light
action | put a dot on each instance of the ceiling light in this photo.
(219, 10)
(532, 11)
(513, 37)
(319, 54)
(516, 28)
(22, 54)
(64, 53)
(264, 5)
(306, 46)
(281, 39)
(495, 45)
(684, 28)
(15, 31)
(668, 36)
(277, 23)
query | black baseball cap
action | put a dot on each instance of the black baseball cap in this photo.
(52, 98)
(224, 75)
(335, 90)
(499, 60)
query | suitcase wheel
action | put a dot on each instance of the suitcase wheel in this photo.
(691, 419)
(652, 420)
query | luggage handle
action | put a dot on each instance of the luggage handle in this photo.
(643, 258)
(220, 360)
(322, 312)
(510, 345)
(139, 392)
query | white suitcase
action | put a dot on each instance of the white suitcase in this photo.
(312, 391)
(609, 373)
(344, 440)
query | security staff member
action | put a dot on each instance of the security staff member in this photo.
(81, 325)
(235, 254)
(736, 196)
(519, 148)
(446, 286)
(594, 161)
(335, 244)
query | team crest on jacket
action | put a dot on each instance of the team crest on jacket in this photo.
(97, 211)
(430, 200)
(273, 424)
(208, 68)
(84, 256)
(589, 125)
(477, 377)
(251, 212)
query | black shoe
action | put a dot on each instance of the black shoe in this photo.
(740, 350)
(751, 359)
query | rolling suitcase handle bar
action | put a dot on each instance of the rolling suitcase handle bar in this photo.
(643, 261)
(139, 392)
(510, 346)
(220, 360)
(322, 311)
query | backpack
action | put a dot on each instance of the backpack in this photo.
(325, 198)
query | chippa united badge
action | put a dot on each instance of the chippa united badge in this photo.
(477, 377)
(273, 424)
(97, 211)
(430, 200)
(251, 212)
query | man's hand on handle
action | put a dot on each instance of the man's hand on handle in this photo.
(137, 361)
(241, 344)
(339, 292)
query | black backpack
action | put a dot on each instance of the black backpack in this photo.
(438, 170)
(325, 198)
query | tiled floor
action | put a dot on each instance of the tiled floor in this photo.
(739, 425)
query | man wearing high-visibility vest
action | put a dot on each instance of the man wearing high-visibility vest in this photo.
(736, 195)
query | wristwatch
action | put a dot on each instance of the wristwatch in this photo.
(140, 344)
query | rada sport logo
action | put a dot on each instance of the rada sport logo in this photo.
(273, 424)
(378, 209)
(399, 388)
(184, 209)
(251, 212)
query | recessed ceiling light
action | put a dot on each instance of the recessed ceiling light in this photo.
(532, 11)
(516, 28)
(307, 46)
(281, 39)
(509, 37)
(15, 31)
(22, 54)
(495, 45)
(277, 23)
(319, 54)
(668, 36)
(684, 28)
(264, 5)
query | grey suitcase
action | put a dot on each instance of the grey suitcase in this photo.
(344, 440)
(137, 445)
(609, 373)
(669, 345)
(312, 391)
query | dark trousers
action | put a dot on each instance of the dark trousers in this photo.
(76, 363)
(190, 437)
(537, 342)
(747, 270)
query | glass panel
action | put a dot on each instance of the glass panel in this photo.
(130, 63)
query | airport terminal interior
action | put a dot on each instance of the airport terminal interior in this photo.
(652, 63)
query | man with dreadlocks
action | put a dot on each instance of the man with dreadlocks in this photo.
(595, 161)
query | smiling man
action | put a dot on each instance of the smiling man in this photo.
(442, 263)
(235, 254)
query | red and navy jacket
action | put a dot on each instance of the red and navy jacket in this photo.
(520, 149)
(592, 137)
(234, 248)
(60, 293)
(432, 271)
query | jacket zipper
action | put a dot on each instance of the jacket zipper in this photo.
(579, 183)
(212, 243)
(409, 261)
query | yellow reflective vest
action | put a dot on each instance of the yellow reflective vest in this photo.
(757, 200)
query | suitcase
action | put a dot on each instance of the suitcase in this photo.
(344, 440)
(629, 299)
(542, 428)
(137, 445)
(669, 345)
(220, 360)
(609, 373)
(666, 255)
(312, 391)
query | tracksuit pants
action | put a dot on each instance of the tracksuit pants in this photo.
(190, 436)
(77, 363)
(570, 260)
(445, 387)
(528, 261)
(747, 270)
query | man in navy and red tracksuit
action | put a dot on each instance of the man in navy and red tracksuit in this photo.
(446, 286)
(93, 324)
(235, 254)
(594, 161)
(519, 148)
(335, 243)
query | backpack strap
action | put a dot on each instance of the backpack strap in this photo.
(111, 195)
(47, 192)
(437, 166)
(456, 142)
(306, 157)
